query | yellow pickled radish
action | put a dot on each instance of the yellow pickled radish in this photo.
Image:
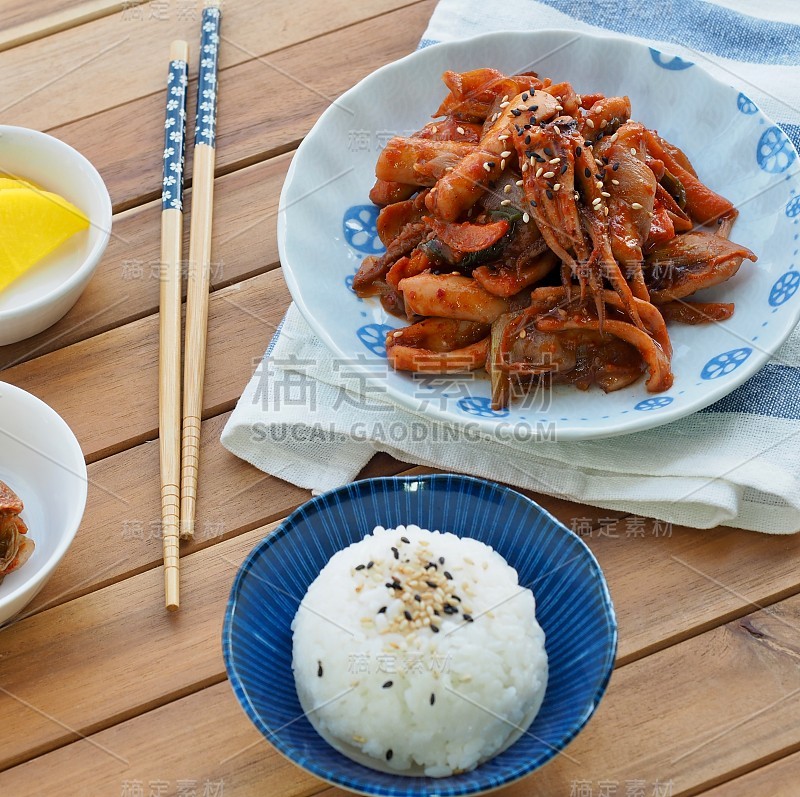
(32, 224)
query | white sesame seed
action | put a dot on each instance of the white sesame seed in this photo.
(555, 160)
(502, 164)
(590, 123)
(505, 201)
(636, 206)
(539, 172)
(505, 104)
(597, 200)
(603, 123)
(525, 218)
(507, 189)
(505, 98)
(502, 137)
(397, 334)
(605, 193)
(505, 153)
(495, 117)
(548, 175)
(556, 186)
(518, 182)
(532, 161)
(460, 130)
(486, 166)
(599, 184)
(524, 168)
(614, 137)
(615, 182)
(447, 169)
(559, 108)
(522, 334)
(633, 150)
(605, 210)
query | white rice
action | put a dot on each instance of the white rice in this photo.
(437, 695)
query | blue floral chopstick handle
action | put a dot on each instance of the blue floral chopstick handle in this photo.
(174, 136)
(205, 130)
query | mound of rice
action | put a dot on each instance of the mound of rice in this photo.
(418, 652)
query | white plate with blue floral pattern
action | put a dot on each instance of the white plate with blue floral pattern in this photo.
(326, 226)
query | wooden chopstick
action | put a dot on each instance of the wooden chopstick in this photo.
(169, 362)
(199, 262)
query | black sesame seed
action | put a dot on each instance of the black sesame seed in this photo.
(491, 164)
(599, 176)
(397, 585)
(525, 96)
(389, 585)
(615, 166)
(468, 618)
(441, 560)
(516, 111)
(408, 615)
(533, 107)
(405, 540)
(587, 172)
(533, 203)
(549, 193)
(389, 754)
(456, 598)
(382, 610)
(418, 598)
(360, 567)
(538, 158)
(564, 168)
(433, 698)
(436, 612)
(388, 685)
(319, 669)
(448, 576)
(434, 628)
(518, 129)
(527, 127)
(527, 139)
(370, 564)
(448, 609)
(432, 584)
(547, 151)
(578, 151)
(587, 143)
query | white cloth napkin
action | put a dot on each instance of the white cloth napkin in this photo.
(307, 420)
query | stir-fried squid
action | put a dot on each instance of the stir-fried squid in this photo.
(544, 236)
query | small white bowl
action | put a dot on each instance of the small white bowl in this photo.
(42, 462)
(44, 295)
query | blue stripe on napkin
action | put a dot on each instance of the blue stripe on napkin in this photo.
(695, 24)
(773, 391)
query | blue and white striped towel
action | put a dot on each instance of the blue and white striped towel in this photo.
(736, 463)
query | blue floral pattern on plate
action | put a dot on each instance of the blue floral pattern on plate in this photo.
(373, 336)
(793, 207)
(745, 104)
(725, 363)
(672, 62)
(480, 406)
(775, 153)
(360, 229)
(784, 288)
(174, 136)
(654, 403)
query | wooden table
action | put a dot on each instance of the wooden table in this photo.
(102, 692)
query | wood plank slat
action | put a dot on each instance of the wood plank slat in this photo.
(266, 105)
(666, 709)
(778, 779)
(22, 21)
(127, 49)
